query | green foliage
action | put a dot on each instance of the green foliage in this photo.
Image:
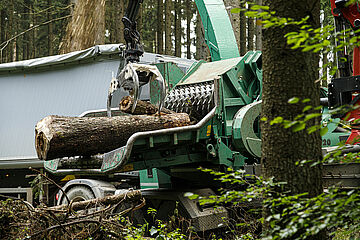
(291, 216)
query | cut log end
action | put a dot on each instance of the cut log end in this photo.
(40, 144)
(42, 134)
(126, 104)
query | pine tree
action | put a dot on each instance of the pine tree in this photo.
(168, 23)
(242, 31)
(160, 26)
(178, 30)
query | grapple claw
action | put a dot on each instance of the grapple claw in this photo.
(135, 91)
(132, 77)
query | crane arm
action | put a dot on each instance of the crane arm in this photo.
(134, 48)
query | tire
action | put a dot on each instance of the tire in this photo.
(77, 194)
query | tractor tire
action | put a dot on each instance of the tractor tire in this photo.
(77, 194)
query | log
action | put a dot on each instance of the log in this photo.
(141, 108)
(131, 195)
(57, 137)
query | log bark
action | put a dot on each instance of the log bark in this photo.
(142, 107)
(133, 195)
(57, 136)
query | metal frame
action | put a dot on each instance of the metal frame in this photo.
(19, 190)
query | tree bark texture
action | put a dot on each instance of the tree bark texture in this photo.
(325, 61)
(290, 73)
(189, 14)
(242, 30)
(119, 26)
(168, 23)
(142, 107)
(131, 195)
(251, 33)
(178, 30)
(160, 26)
(57, 136)
(258, 31)
(2, 33)
(202, 50)
(86, 28)
(234, 18)
(50, 29)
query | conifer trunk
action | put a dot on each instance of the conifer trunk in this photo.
(258, 32)
(178, 28)
(160, 26)
(50, 29)
(189, 15)
(202, 50)
(250, 35)
(234, 18)
(242, 31)
(168, 23)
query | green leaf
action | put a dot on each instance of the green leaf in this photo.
(276, 120)
(235, 10)
(323, 131)
(311, 116)
(153, 231)
(299, 126)
(313, 128)
(293, 100)
(307, 108)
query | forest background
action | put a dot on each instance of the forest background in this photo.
(37, 28)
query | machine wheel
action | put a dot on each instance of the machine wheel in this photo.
(77, 194)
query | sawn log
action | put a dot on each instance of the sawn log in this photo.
(57, 136)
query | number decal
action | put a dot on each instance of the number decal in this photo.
(326, 142)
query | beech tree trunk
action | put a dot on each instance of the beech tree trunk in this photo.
(57, 136)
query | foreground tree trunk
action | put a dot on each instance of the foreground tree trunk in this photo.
(290, 73)
(57, 136)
